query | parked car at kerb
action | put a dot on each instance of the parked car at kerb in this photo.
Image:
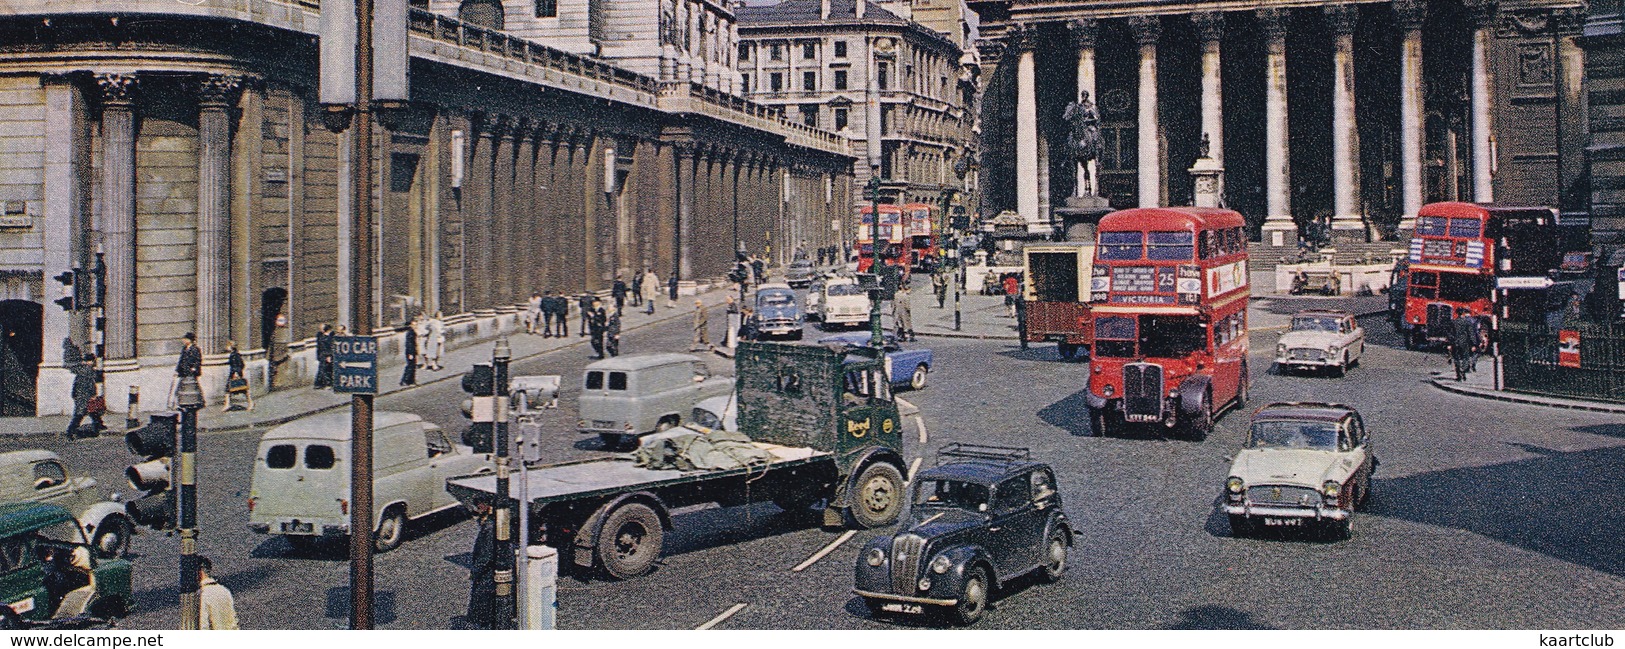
(910, 367)
(41, 476)
(1321, 340)
(1303, 464)
(982, 517)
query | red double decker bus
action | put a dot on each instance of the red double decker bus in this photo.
(920, 222)
(894, 248)
(1169, 303)
(1458, 252)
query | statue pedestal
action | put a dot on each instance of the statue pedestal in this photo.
(1078, 220)
(1209, 176)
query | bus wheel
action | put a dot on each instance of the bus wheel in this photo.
(1201, 422)
(1100, 424)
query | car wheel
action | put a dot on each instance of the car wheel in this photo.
(916, 381)
(1341, 369)
(1342, 530)
(630, 541)
(878, 497)
(391, 529)
(1055, 556)
(113, 537)
(1240, 526)
(972, 598)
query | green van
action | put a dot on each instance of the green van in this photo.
(31, 532)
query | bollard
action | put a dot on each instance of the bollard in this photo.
(132, 420)
(541, 587)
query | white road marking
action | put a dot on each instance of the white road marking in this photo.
(827, 549)
(721, 618)
(920, 422)
(913, 468)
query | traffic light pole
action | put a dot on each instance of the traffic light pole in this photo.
(877, 337)
(504, 600)
(361, 323)
(190, 398)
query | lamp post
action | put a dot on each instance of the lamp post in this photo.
(505, 609)
(189, 396)
(876, 336)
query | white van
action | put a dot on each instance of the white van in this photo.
(301, 482)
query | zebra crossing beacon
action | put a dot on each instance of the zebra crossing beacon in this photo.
(1169, 302)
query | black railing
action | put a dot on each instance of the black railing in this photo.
(1533, 360)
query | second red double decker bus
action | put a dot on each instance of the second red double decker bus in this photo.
(1169, 291)
(1458, 252)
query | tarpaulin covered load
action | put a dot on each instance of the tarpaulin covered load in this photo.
(686, 449)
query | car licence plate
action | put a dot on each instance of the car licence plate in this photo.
(297, 527)
(900, 607)
(1282, 522)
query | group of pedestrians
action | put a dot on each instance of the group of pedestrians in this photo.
(549, 312)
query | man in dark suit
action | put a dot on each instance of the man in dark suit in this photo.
(618, 291)
(597, 323)
(190, 362)
(324, 357)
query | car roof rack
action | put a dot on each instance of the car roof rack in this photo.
(960, 450)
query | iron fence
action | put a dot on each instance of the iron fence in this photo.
(1533, 360)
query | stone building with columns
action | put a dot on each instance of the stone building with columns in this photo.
(1348, 113)
(186, 141)
(820, 60)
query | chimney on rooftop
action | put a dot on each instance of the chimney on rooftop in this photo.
(858, 12)
(823, 10)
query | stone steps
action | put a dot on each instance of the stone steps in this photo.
(1263, 257)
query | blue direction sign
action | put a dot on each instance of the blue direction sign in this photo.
(355, 364)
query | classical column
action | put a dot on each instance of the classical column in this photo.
(500, 292)
(117, 210)
(215, 94)
(1147, 29)
(1347, 220)
(1483, 17)
(1573, 131)
(1022, 40)
(1085, 32)
(1409, 15)
(686, 168)
(1278, 225)
(1210, 28)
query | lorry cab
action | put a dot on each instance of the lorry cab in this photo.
(301, 481)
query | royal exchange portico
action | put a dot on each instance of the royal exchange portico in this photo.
(1352, 113)
(185, 139)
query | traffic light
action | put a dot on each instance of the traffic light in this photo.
(479, 382)
(78, 289)
(69, 279)
(156, 443)
(738, 274)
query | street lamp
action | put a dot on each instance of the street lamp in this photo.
(876, 336)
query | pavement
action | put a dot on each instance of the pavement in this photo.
(1481, 384)
(287, 405)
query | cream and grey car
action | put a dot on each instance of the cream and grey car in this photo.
(1321, 340)
(1303, 465)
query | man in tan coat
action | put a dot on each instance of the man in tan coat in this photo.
(219, 611)
(701, 324)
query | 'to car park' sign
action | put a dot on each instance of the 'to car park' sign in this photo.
(355, 364)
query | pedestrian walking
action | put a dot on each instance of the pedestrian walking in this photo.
(1011, 295)
(748, 329)
(596, 323)
(482, 571)
(758, 270)
(939, 286)
(1021, 319)
(651, 290)
(671, 292)
(1463, 336)
(324, 357)
(636, 293)
(190, 364)
(85, 400)
(612, 333)
(533, 313)
(217, 608)
(434, 341)
(701, 325)
(587, 303)
(236, 379)
(903, 314)
(409, 376)
(618, 291)
(561, 315)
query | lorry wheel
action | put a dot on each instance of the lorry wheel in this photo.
(1055, 556)
(916, 381)
(112, 537)
(630, 541)
(878, 497)
(391, 529)
(972, 598)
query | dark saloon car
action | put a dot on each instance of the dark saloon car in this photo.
(800, 274)
(983, 516)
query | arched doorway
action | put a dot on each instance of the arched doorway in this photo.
(272, 302)
(484, 13)
(20, 339)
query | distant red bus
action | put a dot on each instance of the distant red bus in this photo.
(1169, 291)
(920, 221)
(1457, 253)
(893, 236)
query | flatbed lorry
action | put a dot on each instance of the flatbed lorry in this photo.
(825, 418)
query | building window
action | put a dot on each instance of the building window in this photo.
(840, 118)
(809, 50)
(809, 115)
(481, 13)
(744, 82)
(883, 76)
(840, 79)
(840, 49)
(744, 52)
(809, 81)
(775, 82)
(776, 52)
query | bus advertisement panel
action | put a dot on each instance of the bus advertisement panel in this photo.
(1169, 290)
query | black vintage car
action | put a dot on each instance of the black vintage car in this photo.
(980, 518)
